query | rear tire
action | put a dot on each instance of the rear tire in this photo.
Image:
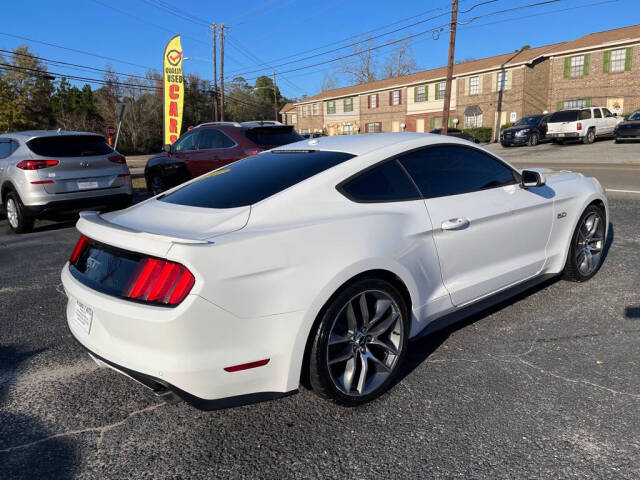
(590, 137)
(17, 218)
(360, 343)
(587, 245)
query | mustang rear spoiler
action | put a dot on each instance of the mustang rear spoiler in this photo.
(94, 226)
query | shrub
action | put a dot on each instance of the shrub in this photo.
(483, 134)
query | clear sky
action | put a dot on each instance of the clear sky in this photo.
(135, 31)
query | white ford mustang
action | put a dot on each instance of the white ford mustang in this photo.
(320, 260)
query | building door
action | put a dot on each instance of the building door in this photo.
(420, 125)
(395, 126)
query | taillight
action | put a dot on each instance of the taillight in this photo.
(36, 164)
(118, 159)
(42, 182)
(159, 281)
(252, 151)
(80, 246)
(579, 126)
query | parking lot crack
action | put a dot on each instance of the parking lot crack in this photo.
(101, 430)
(577, 381)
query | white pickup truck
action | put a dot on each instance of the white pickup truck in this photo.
(581, 124)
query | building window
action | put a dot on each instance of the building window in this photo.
(375, 127)
(442, 87)
(618, 58)
(577, 66)
(304, 110)
(347, 129)
(331, 107)
(473, 121)
(474, 85)
(421, 93)
(294, 118)
(437, 122)
(373, 101)
(315, 109)
(348, 104)
(580, 103)
(502, 81)
(395, 97)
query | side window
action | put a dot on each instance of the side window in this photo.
(212, 138)
(607, 112)
(453, 170)
(585, 114)
(384, 183)
(187, 142)
(5, 148)
(597, 113)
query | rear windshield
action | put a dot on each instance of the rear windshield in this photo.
(564, 116)
(69, 146)
(273, 136)
(255, 178)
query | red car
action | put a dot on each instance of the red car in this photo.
(210, 146)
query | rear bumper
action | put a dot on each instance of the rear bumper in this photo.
(73, 205)
(563, 135)
(160, 386)
(186, 349)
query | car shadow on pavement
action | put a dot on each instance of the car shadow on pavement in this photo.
(422, 348)
(53, 458)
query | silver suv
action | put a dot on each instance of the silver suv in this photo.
(47, 172)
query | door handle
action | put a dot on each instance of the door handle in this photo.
(456, 224)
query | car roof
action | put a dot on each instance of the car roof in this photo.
(29, 134)
(368, 142)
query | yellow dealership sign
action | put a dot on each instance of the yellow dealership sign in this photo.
(173, 90)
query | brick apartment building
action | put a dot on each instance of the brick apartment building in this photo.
(597, 69)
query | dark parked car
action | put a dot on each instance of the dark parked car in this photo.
(629, 129)
(526, 131)
(454, 132)
(210, 146)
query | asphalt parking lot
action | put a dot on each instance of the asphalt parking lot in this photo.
(544, 386)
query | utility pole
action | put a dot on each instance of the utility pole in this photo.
(222, 72)
(452, 49)
(214, 30)
(275, 97)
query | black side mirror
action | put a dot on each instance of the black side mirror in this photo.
(167, 148)
(531, 178)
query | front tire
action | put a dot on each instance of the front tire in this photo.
(360, 343)
(17, 218)
(533, 140)
(587, 245)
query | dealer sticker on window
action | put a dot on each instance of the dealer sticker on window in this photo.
(83, 317)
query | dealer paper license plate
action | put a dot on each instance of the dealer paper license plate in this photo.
(87, 185)
(83, 317)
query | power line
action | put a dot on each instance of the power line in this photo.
(423, 32)
(72, 65)
(142, 20)
(338, 42)
(95, 55)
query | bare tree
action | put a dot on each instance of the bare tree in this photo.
(361, 67)
(401, 61)
(329, 82)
